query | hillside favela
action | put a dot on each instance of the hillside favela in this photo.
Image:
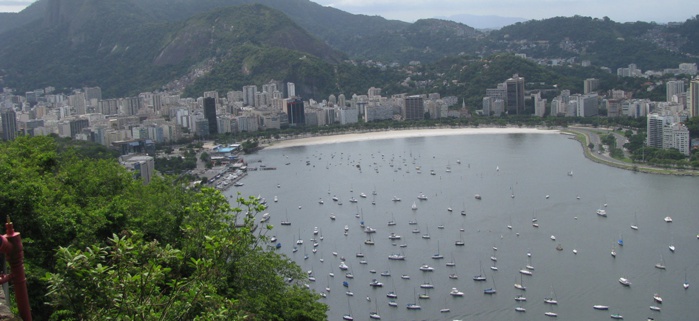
(300, 160)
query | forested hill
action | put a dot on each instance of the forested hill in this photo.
(101, 245)
(117, 46)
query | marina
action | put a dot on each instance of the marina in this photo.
(533, 165)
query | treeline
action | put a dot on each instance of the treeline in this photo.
(101, 245)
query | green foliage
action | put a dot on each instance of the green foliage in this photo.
(101, 245)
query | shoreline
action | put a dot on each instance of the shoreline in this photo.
(359, 136)
(403, 133)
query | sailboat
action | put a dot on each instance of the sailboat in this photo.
(460, 242)
(451, 263)
(286, 221)
(620, 241)
(492, 290)
(414, 306)
(375, 314)
(348, 316)
(426, 236)
(661, 264)
(520, 285)
(480, 277)
(437, 256)
(552, 298)
(686, 283)
(634, 226)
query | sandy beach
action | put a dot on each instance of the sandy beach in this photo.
(392, 134)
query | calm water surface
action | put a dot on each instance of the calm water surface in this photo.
(521, 178)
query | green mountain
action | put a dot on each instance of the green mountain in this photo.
(602, 41)
(119, 47)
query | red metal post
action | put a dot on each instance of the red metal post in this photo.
(11, 246)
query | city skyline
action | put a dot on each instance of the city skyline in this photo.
(412, 10)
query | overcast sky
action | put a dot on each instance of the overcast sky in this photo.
(411, 10)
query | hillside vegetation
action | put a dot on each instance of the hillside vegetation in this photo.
(101, 245)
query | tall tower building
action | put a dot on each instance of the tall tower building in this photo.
(414, 108)
(515, 95)
(295, 112)
(210, 114)
(654, 133)
(673, 88)
(9, 124)
(693, 98)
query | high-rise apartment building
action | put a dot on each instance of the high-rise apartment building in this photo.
(291, 89)
(249, 95)
(514, 88)
(673, 88)
(9, 124)
(210, 114)
(590, 85)
(693, 98)
(295, 112)
(414, 108)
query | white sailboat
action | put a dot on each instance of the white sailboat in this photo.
(685, 285)
(375, 314)
(520, 285)
(552, 299)
(660, 265)
(348, 316)
(634, 226)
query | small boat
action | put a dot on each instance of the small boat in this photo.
(552, 237)
(600, 307)
(414, 206)
(422, 197)
(602, 212)
(668, 219)
(376, 283)
(444, 310)
(617, 316)
(332, 217)
(634, 226)
(396, 257)
(362, 195)
(657, 298)
(392, 295)
(547, 196)
(453, 276)
(685, 285)
(525, 272)
(520, 309)
(551, 314)
(392, 303)
(455, 292)
(393, 236)
(426, 268)
(624, 282)
(520, 298)
(405, 277)
(385, 273)
(396, 199)
(477, 196)
(655, 308)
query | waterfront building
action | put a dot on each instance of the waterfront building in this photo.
(515, 95)
(414, 108)
(693, 98)
(295, 112)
